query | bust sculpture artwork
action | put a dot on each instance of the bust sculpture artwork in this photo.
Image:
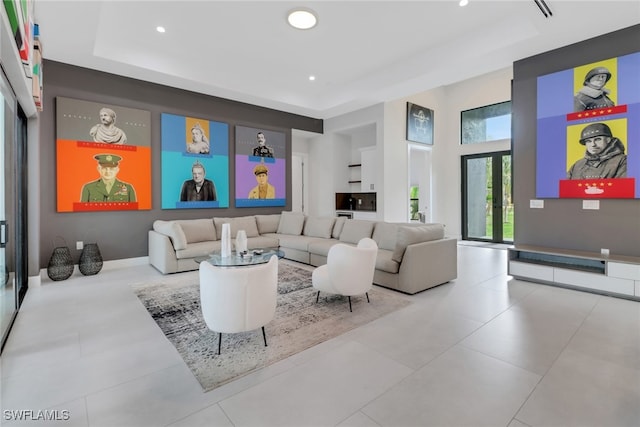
(106, 131)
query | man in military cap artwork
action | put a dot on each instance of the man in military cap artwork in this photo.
(108, 188)
(106, 131)
(593, 94)
(604, 155)
(263, 190)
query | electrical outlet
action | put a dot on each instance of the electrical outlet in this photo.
(604, 252)
(79, 245)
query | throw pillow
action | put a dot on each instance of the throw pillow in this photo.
(318, 227)
(197, 230)
(356, 229)
(291, 223)
(337, 228)
(172, 230)
(246, 223)
(385, 235)
(268, 223)
(410, 235)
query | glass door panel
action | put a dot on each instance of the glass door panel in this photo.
(486, 197)
(479, 221)
(507, 200)
(8, 294)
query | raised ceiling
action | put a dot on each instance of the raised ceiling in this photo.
(361, 52)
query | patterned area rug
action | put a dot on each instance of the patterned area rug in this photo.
(299, 323)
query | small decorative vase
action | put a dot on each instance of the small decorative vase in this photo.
(225, 249)
(60, 265)
(241, 242)
(90, 260)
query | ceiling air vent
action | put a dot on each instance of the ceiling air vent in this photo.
(542, 5)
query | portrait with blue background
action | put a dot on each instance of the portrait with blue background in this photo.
(178, 135)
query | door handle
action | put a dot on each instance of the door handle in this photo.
(3, 233)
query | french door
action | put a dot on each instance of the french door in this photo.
(487, 208)
(13, 208)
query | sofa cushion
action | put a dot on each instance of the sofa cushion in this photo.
(385, 235)
(197, 230)
(384, 262)
(300, 243)
(410, 235)
(199, 249)
(262, 242)
(267, 223)
(356, 229)
(173, 230)
(291, 223)
(337, 227)
(246, 223)
(322, 246)
(318, 227)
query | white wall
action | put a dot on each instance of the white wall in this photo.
(477, 92)
(329, 154)
(447, 103)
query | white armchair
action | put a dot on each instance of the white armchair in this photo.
(348, 271)
(238, 299)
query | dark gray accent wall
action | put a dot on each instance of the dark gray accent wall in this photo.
(563, 223)
(123, 234)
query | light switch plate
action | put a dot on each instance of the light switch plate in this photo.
(591, 204)
(536, 204)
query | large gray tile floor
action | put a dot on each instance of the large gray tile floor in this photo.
(483, 350)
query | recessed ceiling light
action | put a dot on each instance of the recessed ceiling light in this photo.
(312, 78)
(160, 29)
(463, 3)
(303, 19)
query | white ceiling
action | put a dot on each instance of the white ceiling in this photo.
(362, 52)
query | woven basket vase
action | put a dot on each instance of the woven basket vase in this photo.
(90, 260)
(60, 265)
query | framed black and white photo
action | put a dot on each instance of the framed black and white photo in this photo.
(419, 124)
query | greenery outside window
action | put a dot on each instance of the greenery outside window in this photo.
(485, 124)
(413, 203)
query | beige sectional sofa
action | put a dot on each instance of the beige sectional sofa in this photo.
(411, 257)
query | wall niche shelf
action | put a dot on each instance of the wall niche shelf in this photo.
(355, 174)
(612, 275)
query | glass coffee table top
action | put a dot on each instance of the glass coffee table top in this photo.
(252, 257)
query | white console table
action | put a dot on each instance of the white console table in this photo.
(613, 275)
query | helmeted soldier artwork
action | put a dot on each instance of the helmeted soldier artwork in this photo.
(593, 94)
(604, 156)
(108, 188)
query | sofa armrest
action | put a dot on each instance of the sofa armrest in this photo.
(162, 254)
(428, 264)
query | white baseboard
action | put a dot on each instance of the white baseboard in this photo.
(127, 262)
(35, 280)
(106, 265)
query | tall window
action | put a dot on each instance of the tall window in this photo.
(487, 207)
(484, 124)
(413, 203)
